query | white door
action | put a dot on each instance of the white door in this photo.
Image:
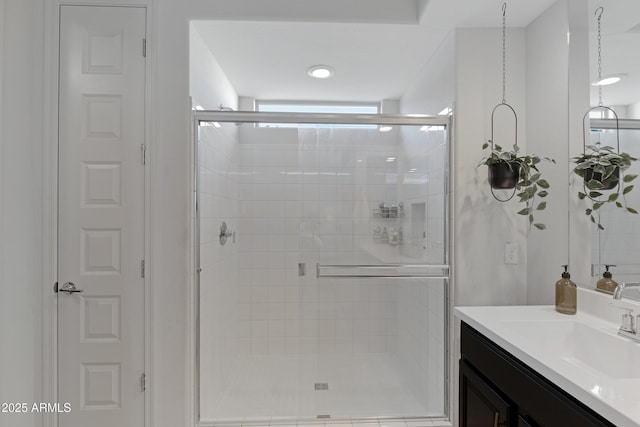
(101, 216)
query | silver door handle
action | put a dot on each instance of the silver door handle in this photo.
(69, 288)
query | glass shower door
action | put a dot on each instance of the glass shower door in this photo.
(373, 240)
(328, 298)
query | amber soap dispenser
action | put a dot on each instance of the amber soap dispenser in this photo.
(607, 284)
(566, 294)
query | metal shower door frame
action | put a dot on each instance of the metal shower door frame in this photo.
(200, 117)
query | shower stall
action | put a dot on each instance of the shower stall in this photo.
(322, 267)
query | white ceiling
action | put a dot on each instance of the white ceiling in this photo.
(377, 47)
(620, 26)
(269, 60)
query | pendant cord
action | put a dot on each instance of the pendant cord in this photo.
(504, 53)
(601, 11)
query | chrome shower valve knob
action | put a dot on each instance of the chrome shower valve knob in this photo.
(225, 233)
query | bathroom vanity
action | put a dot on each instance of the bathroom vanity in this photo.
(497, 389)
(531, 366)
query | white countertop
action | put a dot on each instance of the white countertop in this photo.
(615, 396)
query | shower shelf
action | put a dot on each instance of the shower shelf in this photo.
(389, 212)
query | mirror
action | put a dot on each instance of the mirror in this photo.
(619, 243)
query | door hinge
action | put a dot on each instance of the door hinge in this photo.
(142, 268)
(144, 48)
(143, 382)
(143, 153)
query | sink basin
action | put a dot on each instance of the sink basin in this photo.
(581, 346)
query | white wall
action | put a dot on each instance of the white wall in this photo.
(579, 83)
(209, 86)
(548, 134)
(483, 225)
(633, 111)
(21, 135)
(434, 87)
(170, 208)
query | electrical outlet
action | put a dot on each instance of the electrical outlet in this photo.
(511, 253)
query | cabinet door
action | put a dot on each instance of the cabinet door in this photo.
(480, 404)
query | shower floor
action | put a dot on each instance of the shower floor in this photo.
(283, 387)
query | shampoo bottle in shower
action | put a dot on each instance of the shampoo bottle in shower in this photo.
(607, 284)
(566, 294)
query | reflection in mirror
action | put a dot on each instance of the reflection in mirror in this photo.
(620, 29)
(619, 243)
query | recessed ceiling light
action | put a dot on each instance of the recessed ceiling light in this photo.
(385, 128)
(391, 159)
(608, 80)
(321, 71)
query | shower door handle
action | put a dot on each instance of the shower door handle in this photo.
(444, 271)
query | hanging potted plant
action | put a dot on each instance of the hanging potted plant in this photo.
(504, 169)
(602, 169)
(511, 170)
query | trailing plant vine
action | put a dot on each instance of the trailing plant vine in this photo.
(530, 184)
(599, 164)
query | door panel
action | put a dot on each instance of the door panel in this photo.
(480, 404)
(101, 216)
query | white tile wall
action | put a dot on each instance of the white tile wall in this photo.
(311, 202)
(279, 389)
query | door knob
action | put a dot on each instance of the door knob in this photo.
(69, 288)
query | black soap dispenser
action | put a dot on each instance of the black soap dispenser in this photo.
(566, 294)
(607, 284)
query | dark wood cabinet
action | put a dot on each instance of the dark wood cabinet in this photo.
(497, 389)
(524, 423)
(480, 403)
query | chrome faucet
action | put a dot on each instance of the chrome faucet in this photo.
(630, 326)
(617, 293)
